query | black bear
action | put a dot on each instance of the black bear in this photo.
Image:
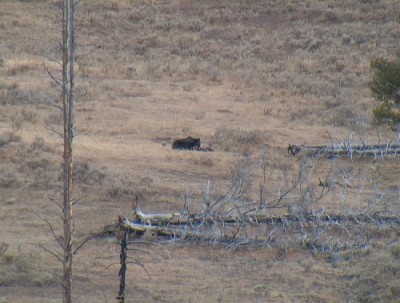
(186, 143)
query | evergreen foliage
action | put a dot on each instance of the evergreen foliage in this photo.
(385, 87)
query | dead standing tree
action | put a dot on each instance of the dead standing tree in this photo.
(68, 85)
(122, 236)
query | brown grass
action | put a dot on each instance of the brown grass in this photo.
(247, 78)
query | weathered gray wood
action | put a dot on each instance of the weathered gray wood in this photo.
(345, 150)
(123, 239)
(68, 87)
(172, 227)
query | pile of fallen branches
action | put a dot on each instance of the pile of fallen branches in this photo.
(284, 215)
(317, 231)
(290, 215)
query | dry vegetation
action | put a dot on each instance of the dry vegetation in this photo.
(247, 77)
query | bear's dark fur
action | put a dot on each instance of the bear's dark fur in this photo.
(186, 143)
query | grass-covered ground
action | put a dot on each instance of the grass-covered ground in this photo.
(248, 78)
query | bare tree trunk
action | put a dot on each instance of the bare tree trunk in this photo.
(123, 239)
(68, 48)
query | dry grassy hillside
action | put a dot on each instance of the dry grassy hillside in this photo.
(248, 78)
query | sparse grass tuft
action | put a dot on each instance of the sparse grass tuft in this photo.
(9, 180)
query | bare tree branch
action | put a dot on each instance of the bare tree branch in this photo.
(91, 237)
(51, 253)
(136, 262)
(58, 239)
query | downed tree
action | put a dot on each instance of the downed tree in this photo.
(157, 221)
(230, 218)
(316, 231)
(347, 150)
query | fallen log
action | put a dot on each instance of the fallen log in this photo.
(179, 218)
(373, 150)
(162, 231)
(171, 226)
(318, 232)
(156, 218)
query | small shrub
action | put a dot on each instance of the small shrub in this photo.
(9, 180)
(84, 174)
(8, 137)
(116, 191)
(201, 115)
(334, 259)
(384, 114)
(262, 289)
(54, 119)
(18, 70)
(36, 165)
(332, 17)
(39, 144)
(192, 25)
(385, 87)
(368, 1)
(29, 116)
(343, 117)
(3, 248)
(16, 96)
(11, 200)
(395, 250)
(395, 290)
(214, 74)
(388, 267)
